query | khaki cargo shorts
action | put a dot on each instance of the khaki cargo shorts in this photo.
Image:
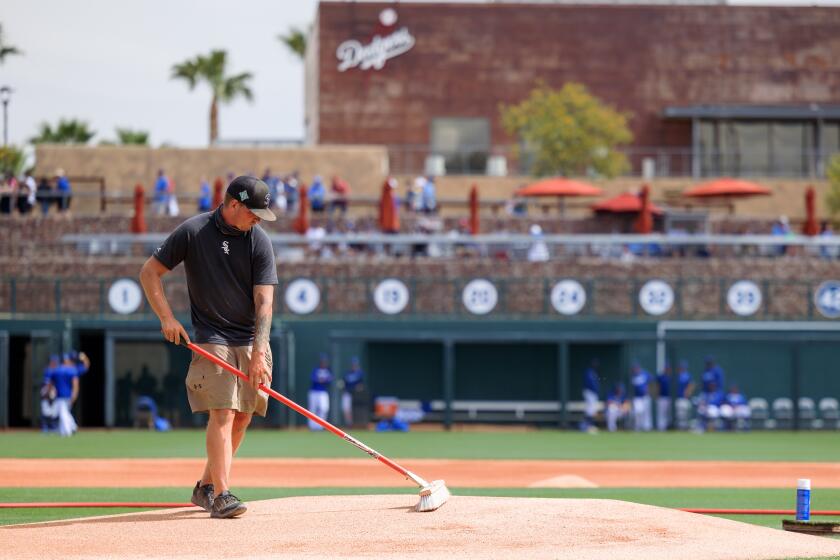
(211, 387)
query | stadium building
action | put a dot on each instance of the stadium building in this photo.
(711, 89)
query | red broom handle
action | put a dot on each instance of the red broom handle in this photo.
(299, 409)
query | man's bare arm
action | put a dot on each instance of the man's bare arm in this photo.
(150, 279)
(258, 371)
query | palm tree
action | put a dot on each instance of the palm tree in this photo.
(68, 131)
(295, 40)
(6, 50)
(211, 70)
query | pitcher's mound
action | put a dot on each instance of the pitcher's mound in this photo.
(386, 527)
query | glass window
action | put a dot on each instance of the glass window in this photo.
(708, 148)
(792, 147)
(830, 139)
(463, 142)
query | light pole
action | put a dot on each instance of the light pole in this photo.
(5, 95)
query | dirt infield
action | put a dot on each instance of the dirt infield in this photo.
(385, 527)
(366, 472)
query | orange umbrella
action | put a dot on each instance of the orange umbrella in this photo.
(559, 186)
(302, 221)
(218, 185)
(474, 229)
(138, 222)
(389, 220)
(727, 187)
(810, 227)
(644, 223)
(625, 203)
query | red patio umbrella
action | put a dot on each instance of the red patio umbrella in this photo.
(474, 223)
(389, 219)
(644, 222)
(138, 222)
(218, 185)
(625, 203)
(559, 186)
(301, 224)
(727, 187)
(810, 226)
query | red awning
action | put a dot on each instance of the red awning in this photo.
(727, 187)
(625, 202)
(559, 186)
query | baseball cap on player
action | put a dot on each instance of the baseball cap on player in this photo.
(254, 194)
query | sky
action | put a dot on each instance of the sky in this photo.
(108, 62)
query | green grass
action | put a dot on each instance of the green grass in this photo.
(540, 444)
(753, 498)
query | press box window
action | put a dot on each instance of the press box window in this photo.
(462, 143)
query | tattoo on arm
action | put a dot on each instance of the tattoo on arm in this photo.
(262, 331)
(263, 322)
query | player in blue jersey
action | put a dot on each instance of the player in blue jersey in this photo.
(352, 380)
(616, 406)
(685, 390)
(663, 398)
(640, 379)
(709, 406)
(65, 379)
(49, 406)
(712, 373)
(734, 410)
(319, 391)
(591, 391)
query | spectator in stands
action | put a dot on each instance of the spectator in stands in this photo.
(352, 382)
(26, 194)
(319, 391)
(781, 228)
(538, 252)
(64, 190)
(44, 195)
(340, 191)
(734, 410)
(827, 231)
(317, 195)
(8, 191)
(290, 188)
(160, 199)
(591, 395)
(429, 196)
(663, 398)
(414, 194)
(616, 407)
(205, 197)
(172, 207)
(642, 416)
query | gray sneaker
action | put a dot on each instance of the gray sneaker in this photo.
(202, 496)
(227, 505)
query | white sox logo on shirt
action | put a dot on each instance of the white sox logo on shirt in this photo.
(225, 247)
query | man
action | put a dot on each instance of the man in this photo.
(319, 391)
(591, 390)
(712, 376)
(65, 379)
(663, 398)
(639, 379)
(352, 380)
(734, 410)
(616, 407)
(685, 390)
(231, 274)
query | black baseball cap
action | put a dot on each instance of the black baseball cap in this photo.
(254, 194)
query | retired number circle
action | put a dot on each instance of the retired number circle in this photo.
(568, 297)
(744, 297)
(124, 296)
(480, 296)
(827, 299)
(656, 297)
(302, 296)
(390, 296)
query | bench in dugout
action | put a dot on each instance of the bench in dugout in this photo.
(500, 411)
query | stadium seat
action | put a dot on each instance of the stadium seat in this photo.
(830, 413)
(759, 413)
(807, 412)
(783, 413)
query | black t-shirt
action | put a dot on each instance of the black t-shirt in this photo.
(223, 264)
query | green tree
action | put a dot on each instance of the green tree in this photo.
(295, 40)
(832, 197)
(11, 160)
(128, 137)
(68, 131)
(6, 50)
(570, 131)
(211, 70)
